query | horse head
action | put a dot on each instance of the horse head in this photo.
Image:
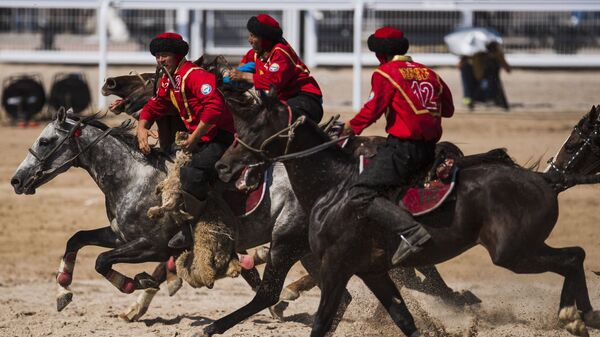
(580, 153)
(53, 152)
(258, 123)
(133, 90)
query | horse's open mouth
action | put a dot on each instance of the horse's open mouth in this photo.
(244, 182)
(119, 105)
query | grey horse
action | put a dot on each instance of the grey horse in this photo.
(128, 178)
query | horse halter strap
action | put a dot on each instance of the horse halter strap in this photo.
(586, 141)
(42, 159)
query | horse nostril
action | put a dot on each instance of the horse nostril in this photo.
(222, 170)
(15, 182)
(111, 83)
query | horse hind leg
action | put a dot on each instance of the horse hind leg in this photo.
(574, 297)
(293, 290)
(138, 308)
(103, 237)
(388, 295)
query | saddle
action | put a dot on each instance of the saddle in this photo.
(244, 203)
(429, 192)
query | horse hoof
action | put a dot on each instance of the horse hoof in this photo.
(469, 298)
(577, 328)
(145, 281)
(63, 299)
(174, 286)
(288, 295)
(569, 314)
(278, 309)
(592, 319)
(132, 313)
(207, 332)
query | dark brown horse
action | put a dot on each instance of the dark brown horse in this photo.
(135, 90)
(504, 207)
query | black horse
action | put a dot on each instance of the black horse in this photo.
(506, 208)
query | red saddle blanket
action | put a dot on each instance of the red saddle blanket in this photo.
(422, 200)
(243, 203)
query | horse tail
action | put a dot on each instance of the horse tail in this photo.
(562, 182)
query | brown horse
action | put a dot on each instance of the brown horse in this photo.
(498, 204)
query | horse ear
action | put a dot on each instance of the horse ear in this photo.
(594, 114)
(200, 61)
(61, 115)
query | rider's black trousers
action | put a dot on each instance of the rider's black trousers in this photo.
(201, 172)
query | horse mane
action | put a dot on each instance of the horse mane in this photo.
(124, 134)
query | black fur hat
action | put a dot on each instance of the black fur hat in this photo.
(266, 27)
(169, 42)
(388, 41)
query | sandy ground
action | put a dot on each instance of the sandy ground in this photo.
(34, 230)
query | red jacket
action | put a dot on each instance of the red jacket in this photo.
(199, 101)
(283, 69)
(413, 97)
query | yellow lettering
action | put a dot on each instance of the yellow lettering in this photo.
(419, 74)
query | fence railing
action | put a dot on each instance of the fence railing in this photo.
(328, 32)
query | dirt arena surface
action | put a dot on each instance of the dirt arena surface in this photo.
(34, 230)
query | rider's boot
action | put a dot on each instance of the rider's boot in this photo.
(397, 220)
(193, 206)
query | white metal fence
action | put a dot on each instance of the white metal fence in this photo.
(326, 32)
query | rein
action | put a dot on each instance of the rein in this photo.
(40, 172)
(586, 141)
(290, 129)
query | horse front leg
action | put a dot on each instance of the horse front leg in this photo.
(281, 258)
(137, 251)
(388, 295)
(103, 237)
(333, 286)
(574, 297)
(138, 308)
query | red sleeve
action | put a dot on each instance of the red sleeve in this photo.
(447, 108)
(155, 108)
(280, 72)
(249, 57)
(205, 100)
(382, 94)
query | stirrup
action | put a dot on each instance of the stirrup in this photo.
(181, 239)
(406, 247)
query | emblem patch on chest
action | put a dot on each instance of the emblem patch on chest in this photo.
(206, 89)
(274, 67)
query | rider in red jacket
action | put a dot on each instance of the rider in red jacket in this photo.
(413, 98)
(195, 98)
(277, 64)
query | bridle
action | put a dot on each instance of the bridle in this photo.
(587, 140)
(70, 133)
(288, 132)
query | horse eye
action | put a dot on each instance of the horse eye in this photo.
(46, 141)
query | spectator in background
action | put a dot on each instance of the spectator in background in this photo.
(480, 76)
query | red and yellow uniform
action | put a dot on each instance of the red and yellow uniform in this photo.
(194, 96)
(283, 69)
(412, 96)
